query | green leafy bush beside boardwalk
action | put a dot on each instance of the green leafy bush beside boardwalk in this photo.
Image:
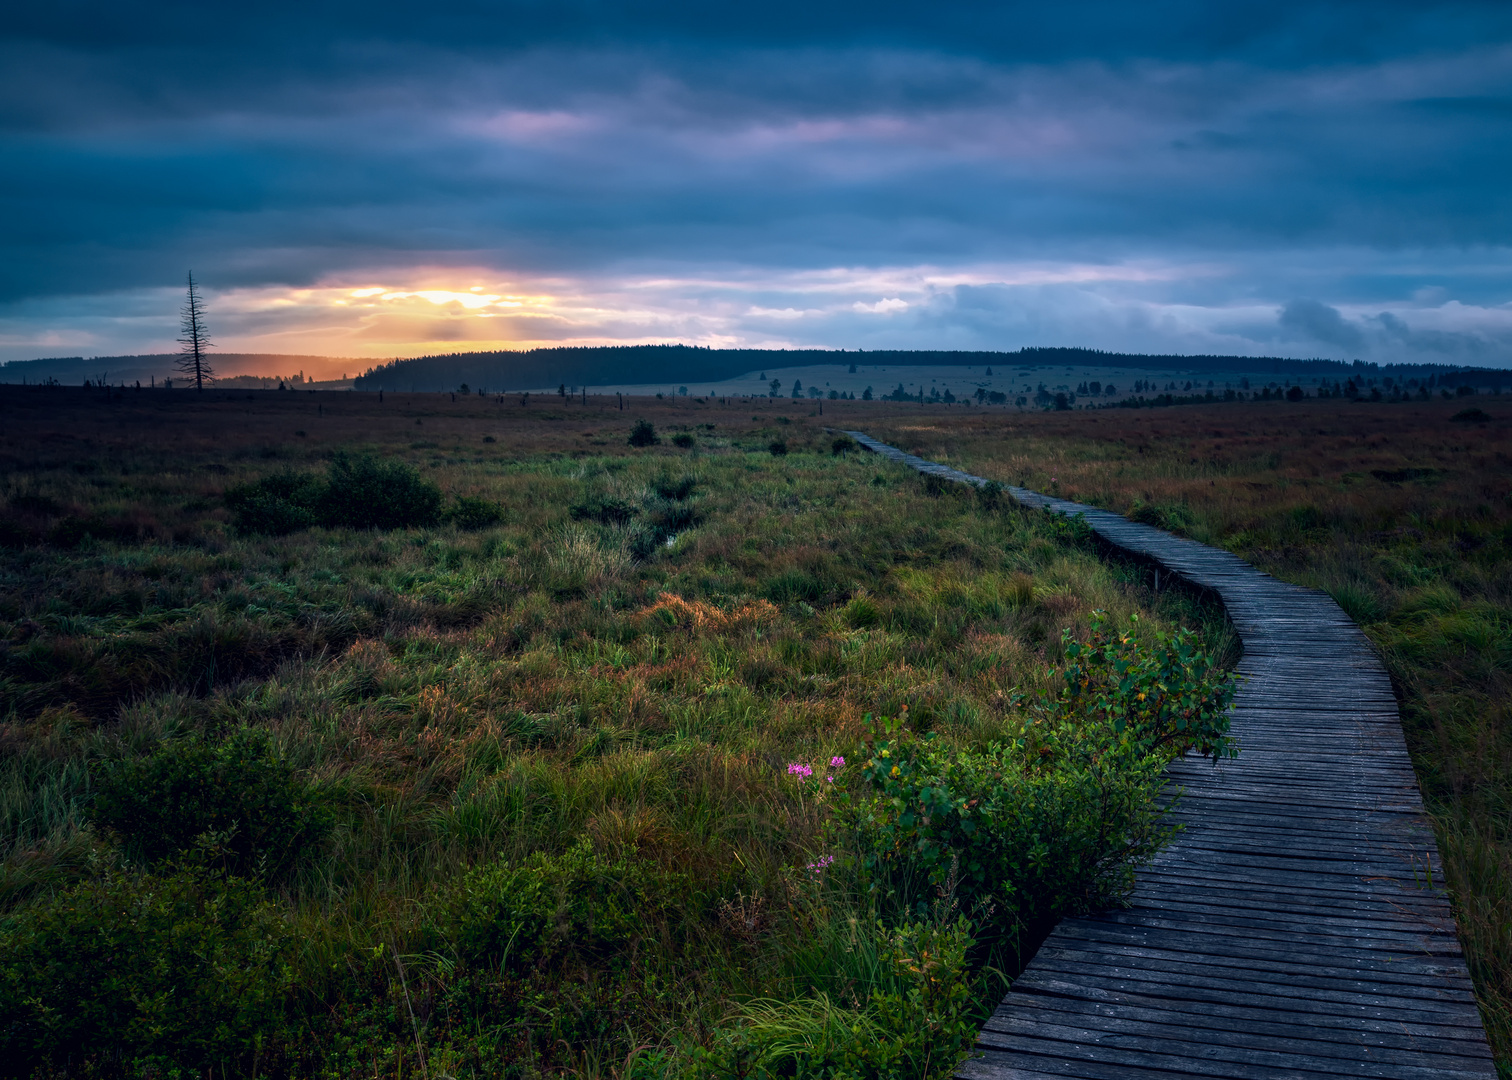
(522, 798)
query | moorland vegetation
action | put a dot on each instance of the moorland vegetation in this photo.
(468, 739)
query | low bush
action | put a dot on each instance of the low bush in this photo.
(643, 434)
(356, 493)
(268, 514)
(1027, 836)
(370, 493)
(1056, 820)
(683, 440)
(143, 975)
(470, 512)
(777, 447)
(545, 908)
(1164, 699)
(234, 804)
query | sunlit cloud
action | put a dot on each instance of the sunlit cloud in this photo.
(1142, 306)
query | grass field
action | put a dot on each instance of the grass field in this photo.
(1402, 512)
(584, 790)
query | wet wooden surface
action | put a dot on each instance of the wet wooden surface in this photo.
(1296, 927)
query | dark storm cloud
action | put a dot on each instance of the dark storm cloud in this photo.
(1314, 321)
(286, 144)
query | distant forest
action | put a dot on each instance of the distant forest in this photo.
(671, 364)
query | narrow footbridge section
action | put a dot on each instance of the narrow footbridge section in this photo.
(1296, 927)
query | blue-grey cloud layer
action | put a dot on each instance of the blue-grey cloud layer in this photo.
(1321, 163)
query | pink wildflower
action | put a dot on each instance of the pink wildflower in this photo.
(837, 763)
(800, 770)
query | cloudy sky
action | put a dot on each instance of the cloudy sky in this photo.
(385, 179)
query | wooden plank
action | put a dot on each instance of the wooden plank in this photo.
(1296, 926)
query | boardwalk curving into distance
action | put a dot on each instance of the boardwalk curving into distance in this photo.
(1295, 927)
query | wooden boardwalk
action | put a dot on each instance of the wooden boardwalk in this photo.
(1295, 928)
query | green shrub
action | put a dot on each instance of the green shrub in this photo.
(1166, 699)
(844, 445)
(234, 803)
(543, 908)
(357, 493)
(261, 512)
(643, 434)
(470, 512)
(368, 493)
(1056, 820)
(778, 447)
(143, 975)
(683, 439)
(1034, 835)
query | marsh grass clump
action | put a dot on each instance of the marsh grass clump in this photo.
(603, 509)
(675, 488)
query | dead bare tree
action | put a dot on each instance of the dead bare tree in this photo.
(193, 359)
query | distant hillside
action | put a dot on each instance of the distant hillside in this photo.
(73, 370)
(652, 364)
